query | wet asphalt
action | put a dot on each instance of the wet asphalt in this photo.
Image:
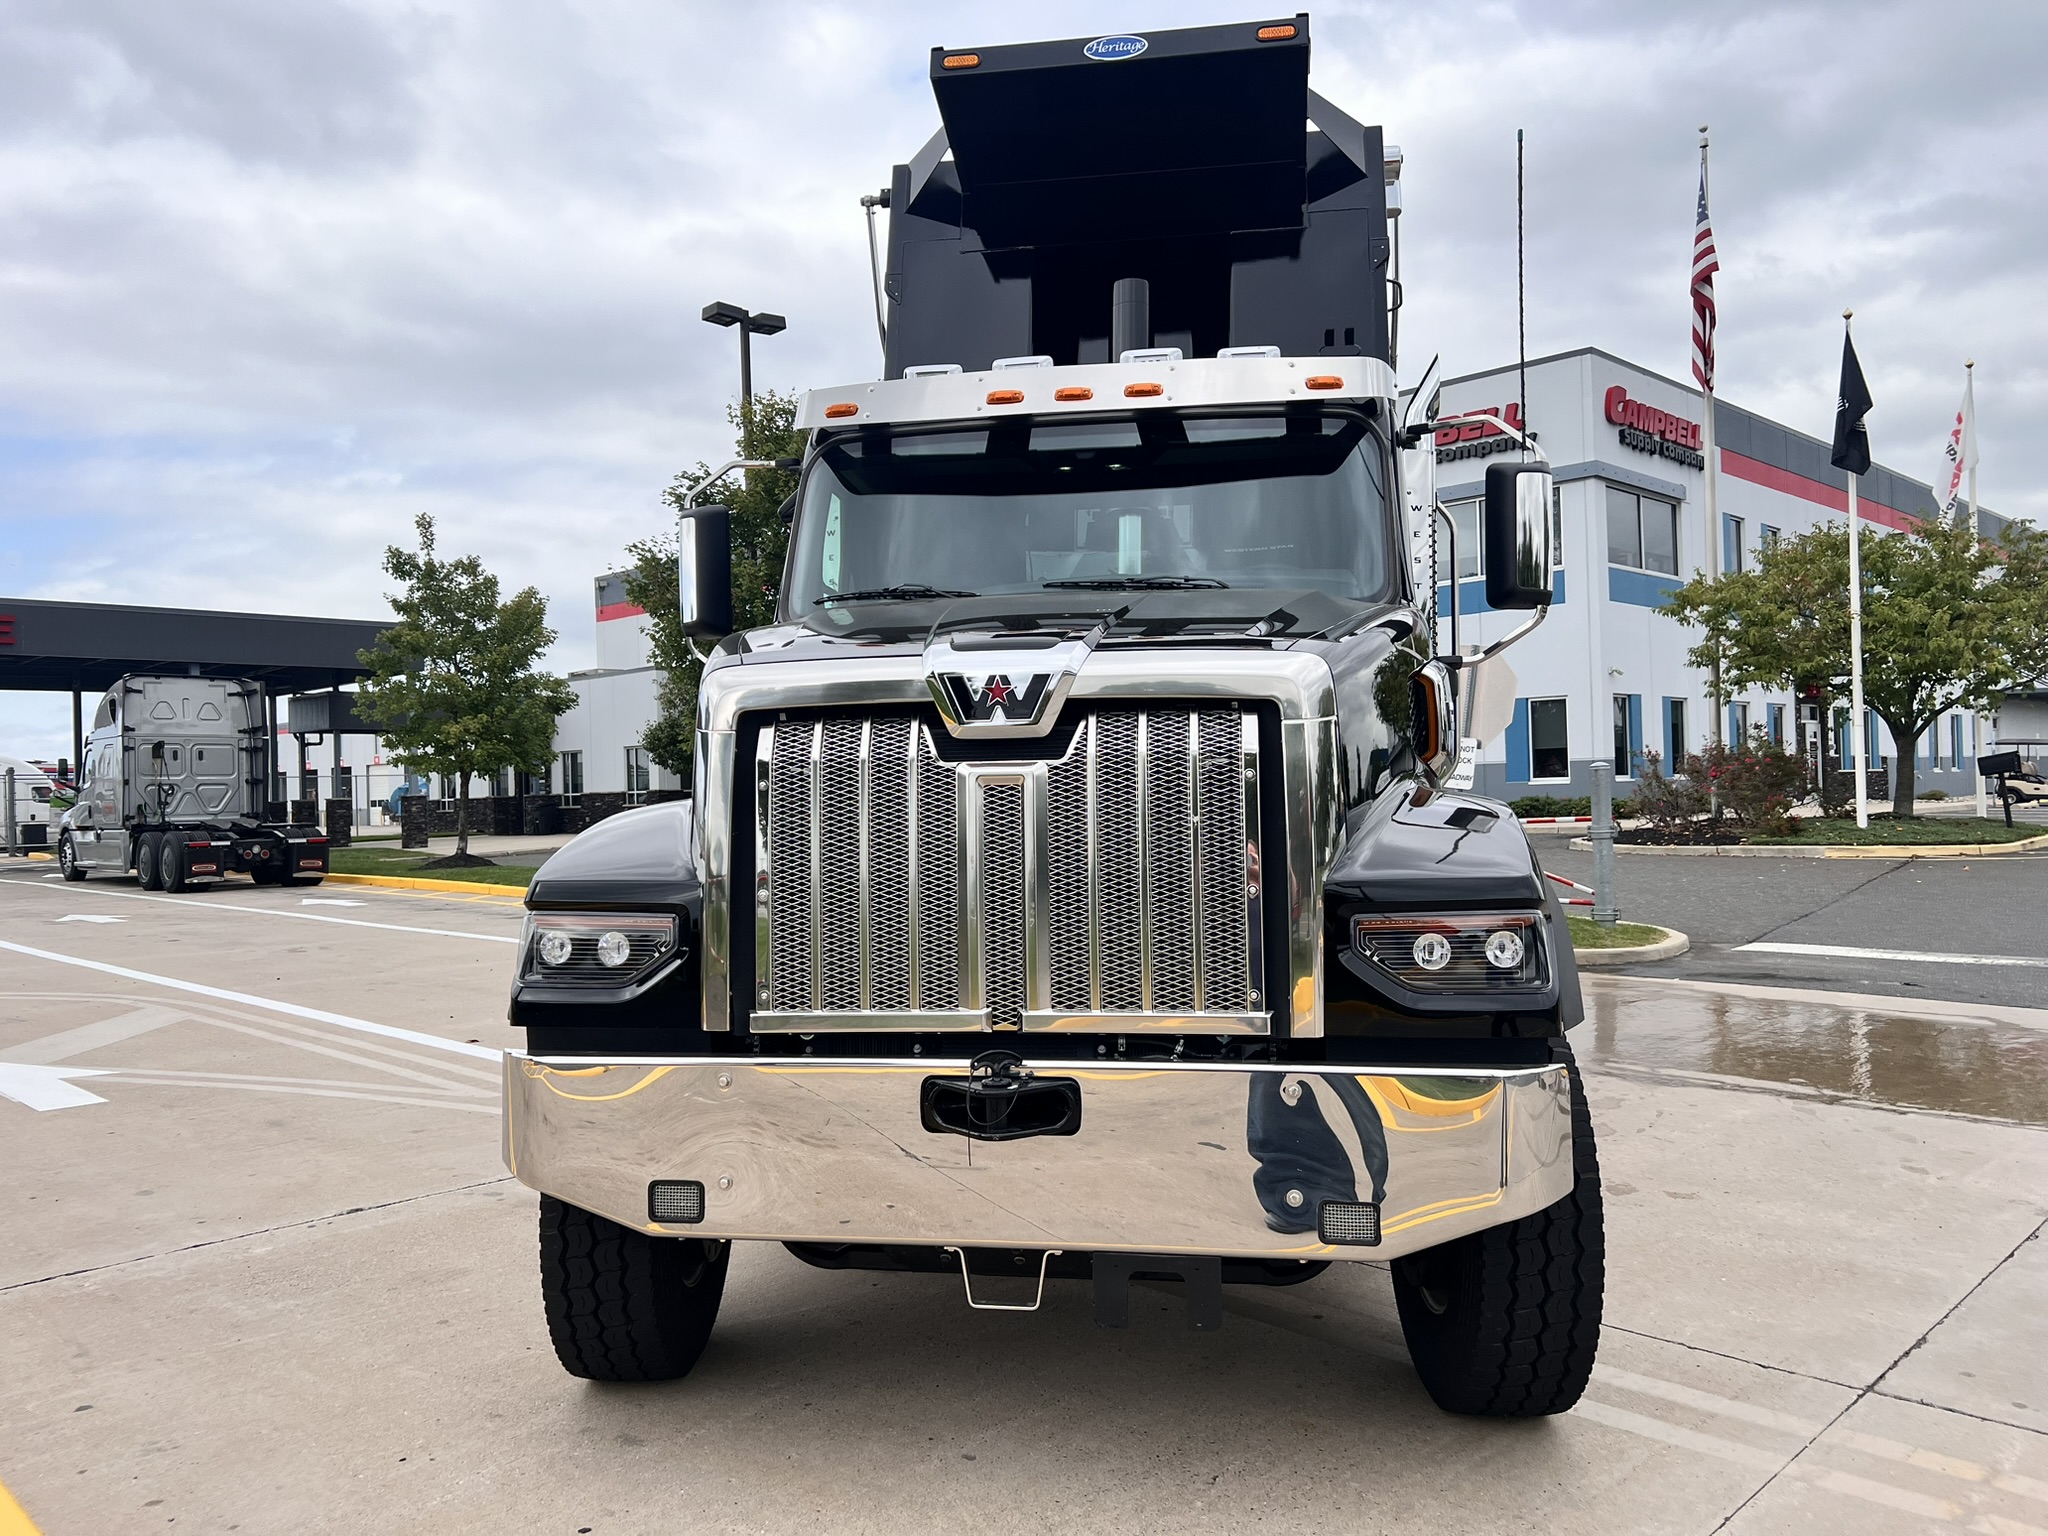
(1993, 907)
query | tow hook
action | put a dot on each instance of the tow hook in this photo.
(1001, 1099)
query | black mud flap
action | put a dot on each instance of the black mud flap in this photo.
(1001, 1100)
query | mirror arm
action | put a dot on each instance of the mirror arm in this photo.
(1540, 614)
(699, 487)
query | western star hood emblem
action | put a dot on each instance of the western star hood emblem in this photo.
(1002, 685)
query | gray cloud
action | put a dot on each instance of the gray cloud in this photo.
(275, 278)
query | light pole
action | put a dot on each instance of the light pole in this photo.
(751, 324)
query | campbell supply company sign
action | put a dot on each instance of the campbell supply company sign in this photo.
(1477, 434)
(1647, 429)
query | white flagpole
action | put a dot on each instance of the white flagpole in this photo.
(1711, 510)
(1976, 720)
(1860, 733)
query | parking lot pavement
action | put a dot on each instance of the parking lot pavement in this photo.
(1991, 908)
(271, 1277)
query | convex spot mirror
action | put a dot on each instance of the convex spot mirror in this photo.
(1518, 554)
(704, 572)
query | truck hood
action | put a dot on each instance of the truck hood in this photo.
(1243, 616)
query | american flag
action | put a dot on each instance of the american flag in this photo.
(1704, 266)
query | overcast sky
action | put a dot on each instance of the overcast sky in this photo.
(275, 278)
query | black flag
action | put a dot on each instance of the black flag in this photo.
(1852, 439)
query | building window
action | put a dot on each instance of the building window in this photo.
(1674, 733)
(501, 783)
(1731, 545)
(572, 778)
(1642, 532)
(1766, 536)
(636, 775)
(1738, 724)
(447, 790)
(1774, 715)
(1465, 517)
(1549, 753)
(1955, 741)
(1628, 733)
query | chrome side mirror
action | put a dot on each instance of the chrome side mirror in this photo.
(1518, 554)
(704, 572)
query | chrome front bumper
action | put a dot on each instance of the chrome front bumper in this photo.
(1185, 1158)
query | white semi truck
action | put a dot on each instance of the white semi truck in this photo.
(172, 788)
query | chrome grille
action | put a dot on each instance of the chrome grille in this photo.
(1113, 887)
(1002, 901)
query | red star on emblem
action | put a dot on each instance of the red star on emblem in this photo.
(998, 690)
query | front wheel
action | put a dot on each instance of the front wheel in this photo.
(1506, 1322)
(67, 859)
(621, 1305)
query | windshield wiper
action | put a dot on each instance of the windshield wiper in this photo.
(1134, 583)
(908, 592)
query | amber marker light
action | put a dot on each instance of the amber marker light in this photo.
(1074, 392)
(1143, 391)
(1276, 34)
(969, 60)
(1006, 397)
(836, 412)
(1323, 381)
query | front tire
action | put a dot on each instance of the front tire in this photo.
(1506, 1322)
(67, 860)
(621, 1305)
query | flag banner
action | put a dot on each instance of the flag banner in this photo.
(1704, 265)
(1851, 449)
(1959, 457)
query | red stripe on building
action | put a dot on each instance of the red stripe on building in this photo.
(618, 611)
(1756, 472)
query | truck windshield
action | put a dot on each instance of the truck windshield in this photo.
(1163, 501)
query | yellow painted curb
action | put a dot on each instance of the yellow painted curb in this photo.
(415, 883)
(14, 1520)
(1937, 850)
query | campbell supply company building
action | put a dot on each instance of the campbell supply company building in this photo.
(1605, 676)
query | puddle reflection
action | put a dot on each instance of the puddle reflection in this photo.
(1960, 1065)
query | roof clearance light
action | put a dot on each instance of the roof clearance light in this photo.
(1143, 391)
(1266, 35)
(1074, 392)
(1323, 381)
(1006, 397)
(969, 60)
(835, 412)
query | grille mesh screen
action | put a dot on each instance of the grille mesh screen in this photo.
(1143, 847)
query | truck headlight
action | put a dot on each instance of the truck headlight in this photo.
(608, 949)
(1456, 952)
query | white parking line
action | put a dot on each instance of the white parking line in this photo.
(192, 904)
(1851, 952)
(250, 1000)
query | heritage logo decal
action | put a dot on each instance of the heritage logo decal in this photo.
(980, 701)
(1107, 50)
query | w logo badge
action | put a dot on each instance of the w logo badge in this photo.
(996, 699)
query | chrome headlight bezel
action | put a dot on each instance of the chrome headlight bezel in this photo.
(642, 943)
(1386, 941)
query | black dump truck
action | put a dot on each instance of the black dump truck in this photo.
(172, 787)
(1070, 888)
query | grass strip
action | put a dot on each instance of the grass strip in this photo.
(1587, 934)
(379, 861)
(1832, 832)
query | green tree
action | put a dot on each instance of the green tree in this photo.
(454, 686)
(1949, 622)
(760, 539)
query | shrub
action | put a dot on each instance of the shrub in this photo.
(1551, 805)
(1932, 794)
(1668, 802)
(1757, 781)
